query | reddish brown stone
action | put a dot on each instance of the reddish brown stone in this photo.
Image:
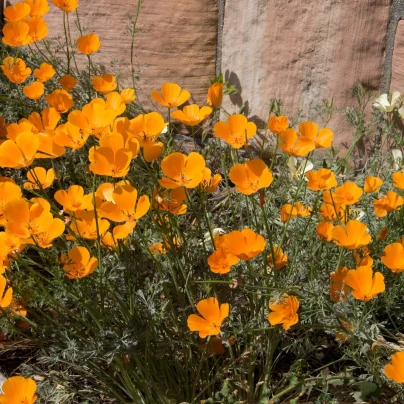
(397, 77)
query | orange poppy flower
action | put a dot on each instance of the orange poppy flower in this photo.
(66, 5)
(324, 230)
(112, 158)
(364, 284)
(170, 201)
(335, 212)
(192, 115)
(38, 29)
(17, 389)
(85, 225)
(70, 136)
(88, 44)
(393, 257)
(362, 257)
(44, 239)
(15, 70)
(8, 192)
(209, 184)
(236, 131)
(61, 100)
(39, 178)
(6, 295)
(321, 179)
(285, 312)
(245, 244)
(45, 72)
(278, 124)
(372, 184)
(302, 211)
(16, 34)
(221, 260)
(67, 82)
(212, 317)
(347, 194)
(339, 290)
(281, 259)
(383, 233)
(395, 370)
(19, 153)
(10, 247)
(108, 241)
(215, 95)
(17, 12)
(104, 84)
(351, 236)
(182, 171)
(295, 145)
(74, 199)
(387, 204)
(288, 212)
(34, 91)
(251, 176)
(398, 179)
(322, 139)
(128, 95)
(38, 7)
(213, 347)
(157, 249)
(171, 95)
(78, 263)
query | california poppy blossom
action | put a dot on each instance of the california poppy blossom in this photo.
(362, 257)
(398, 179)
(321, 179)
(251, 176)
(104, 84)
(192, 115)
(17, 12)
(54, 228)
(236, 131)
(365, 286)
(294, 145)
(351, 236)
(212, 318)
(372, 184)
(15, 69)
(66, 5)
(302, 211)
(71, 136)
(157, 249)
(182, 171)
(38, 29)
(6, 295)
(171, 95)
(38, 7)
(221, 260)
(393, 257)
(209, 184)
(128, 95)
(245, 244)
(86, 226)
(78, 263)
(278, 124)
(88, 44)
(324, 230)
(39, 178)
(322, 139)
(17, 389)
(68, 82)
(347, 194)
(215, 95)
(74, 199)
(19, 153)
(16, 34)
(387, 204)
(395, 370)
(45, 72)
(281, 259)
(34, 91)
(170, 201)
(288, 212)
(339, 290)
(284, 312)
(8, 192)
(61, 100)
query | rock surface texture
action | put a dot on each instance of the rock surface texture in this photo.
(397, 73)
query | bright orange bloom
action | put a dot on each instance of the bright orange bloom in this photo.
(88, 44)
(45, 72)
(212, 317)
(302, 211)
(182, 171)
(85, 225)
(362, 257)
(18, 390)
(54, 228)
(10, 247)
(215, 95)
(278, 124)
(157, 249)
(281, 259)
(351, 236)
(38, 7)
(321, 179)
(339, 291)
(69, 135)
(295, 145)
(236, 131)
(395, 371)
(104, 84)
(322, 139)
(387, 204)
(393, 257)
(364, 284)
(334, 212)
(34, 91)
(288, 212)
(128, 95)
(19, 153)
(324, 230)
(251, 176)
(15, 70)
(398, 179)
(6, 296)
(74, 199)
(214, 346)
(109, 242)
(245, 244)
(61, 100)
(383, 233)
(372, 184)
(347, 194)
(170, 201)
(171, 95)
(17, 12)
(114, 102)
(112, 158)
(209, 184)
(67, 82)
(285, 312)
(192, 115)
(66, 5)
(8, 192)
(16, 34)
(39, 178)
(78, 263)
(38, 29)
